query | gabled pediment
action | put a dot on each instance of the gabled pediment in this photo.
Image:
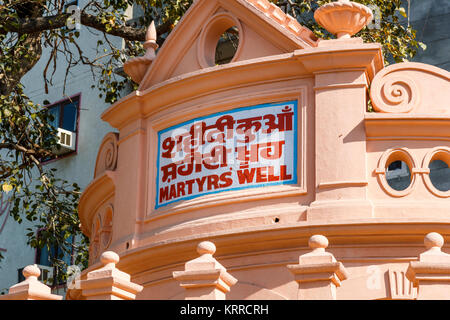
(264, 30)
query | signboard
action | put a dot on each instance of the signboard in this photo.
(241, 148)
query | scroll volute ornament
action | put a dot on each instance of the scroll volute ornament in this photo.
(343, 18)
(401, 88)
(137, 67)
(107, 154)
(395, 94)
(411, 87)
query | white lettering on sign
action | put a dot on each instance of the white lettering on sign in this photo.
(242, 148)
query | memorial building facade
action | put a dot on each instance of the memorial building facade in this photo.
(269, 177)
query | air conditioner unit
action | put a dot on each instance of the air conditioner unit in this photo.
(46, 276)
(67, 142)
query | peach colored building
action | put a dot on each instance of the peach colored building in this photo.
(267, 177)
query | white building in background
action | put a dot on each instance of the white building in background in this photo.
(77, 109)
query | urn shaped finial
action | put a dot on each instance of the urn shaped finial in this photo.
(343, 18)
(151, 35)
(137, 67)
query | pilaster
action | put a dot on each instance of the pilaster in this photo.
(343, 70)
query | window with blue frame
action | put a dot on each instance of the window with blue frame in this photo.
(43, 258)
(64, 118)
(45, 254)
(65, 114)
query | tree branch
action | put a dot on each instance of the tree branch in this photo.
(40, 24)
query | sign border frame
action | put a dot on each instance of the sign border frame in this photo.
(292, 181)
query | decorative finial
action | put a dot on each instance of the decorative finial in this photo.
(433, 240)
(343, 18)
(151, 32)
(137, 67)
(31, 271)
(31, 288)
(109, 259)
(206, 247)
(318, 242)
(150, 37)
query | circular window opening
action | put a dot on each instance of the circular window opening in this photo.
(227, 46)
(440, 175)
(398, 175)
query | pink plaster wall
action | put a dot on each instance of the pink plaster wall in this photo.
(374, 231)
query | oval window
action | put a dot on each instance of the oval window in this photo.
(398, 175)
(440, 175)
(227, 46)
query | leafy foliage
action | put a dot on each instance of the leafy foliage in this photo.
(398, 40)
(28, 27)
(37, 195)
